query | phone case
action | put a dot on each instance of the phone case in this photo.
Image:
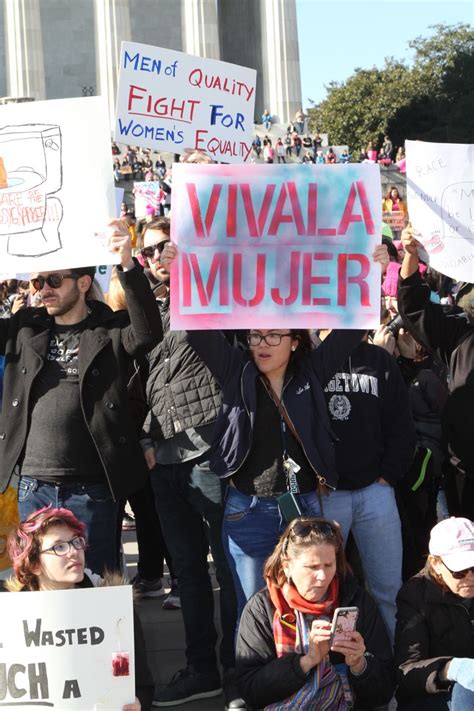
(289, 506)
(343, 623)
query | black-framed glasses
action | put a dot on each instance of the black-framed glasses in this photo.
(459, 574)
(271, 339)
(62, 548)
(149, 252)
(55, 281)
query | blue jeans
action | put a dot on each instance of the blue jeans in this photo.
(371, 514)
(252, 527)
(90, 503)
(189, 501)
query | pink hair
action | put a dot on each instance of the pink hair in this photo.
(24, 543)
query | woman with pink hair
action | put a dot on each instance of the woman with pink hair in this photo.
(47, 552)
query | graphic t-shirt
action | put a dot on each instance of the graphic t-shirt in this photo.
(59, 444)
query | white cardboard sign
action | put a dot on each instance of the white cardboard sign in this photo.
(440, 192)
(68, 649)
(59, 191)
(171, 101)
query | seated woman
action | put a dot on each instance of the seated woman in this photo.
(47, 552)
(434, 642)
(285, 659)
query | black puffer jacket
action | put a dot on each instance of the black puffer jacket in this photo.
(180, 390)
(263, 678)
(433, 626)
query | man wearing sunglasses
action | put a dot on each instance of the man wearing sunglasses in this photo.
(184, 399)
(65, 426)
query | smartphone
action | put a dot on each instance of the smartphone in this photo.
(289, 506)
(343, 623)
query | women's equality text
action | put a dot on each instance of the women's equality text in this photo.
(145, 101)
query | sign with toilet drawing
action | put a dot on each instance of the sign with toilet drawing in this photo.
(440, 194)
(56, 185)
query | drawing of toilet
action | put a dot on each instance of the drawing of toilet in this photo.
(30, 214)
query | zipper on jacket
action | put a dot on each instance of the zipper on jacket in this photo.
(321, 479)
(248, 415)
(95, 444)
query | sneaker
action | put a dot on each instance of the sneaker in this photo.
(128, 522)
(148, 588)
(172, 600)
(232, 697)
(189, 685)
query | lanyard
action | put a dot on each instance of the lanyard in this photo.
(290, 467)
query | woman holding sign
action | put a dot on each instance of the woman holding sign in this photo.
(272, 439)
(47, 552)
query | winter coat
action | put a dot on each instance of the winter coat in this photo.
(263, 678)
(433, 626)
(144, 685)
(107, 345)
(302, 397)
(181, 392)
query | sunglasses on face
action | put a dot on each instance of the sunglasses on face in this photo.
(149, 252)
(52, 280)
(459, 574)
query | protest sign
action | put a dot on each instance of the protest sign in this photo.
(70, 649)
(440, 194)
(148, 196)
(273, 246)
(396, 220)
(57, 191)
(171, 101)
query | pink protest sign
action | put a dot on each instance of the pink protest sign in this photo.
(275, 246)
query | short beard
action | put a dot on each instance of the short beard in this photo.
(67, 305)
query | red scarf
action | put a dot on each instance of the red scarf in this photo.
(286, 600)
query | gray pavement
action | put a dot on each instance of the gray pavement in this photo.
(164, 635)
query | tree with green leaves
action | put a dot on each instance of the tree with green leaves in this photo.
(431, 100)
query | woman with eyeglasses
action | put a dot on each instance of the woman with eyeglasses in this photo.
(434, 639)
(272, 439)
(47, 552)
(286, 657)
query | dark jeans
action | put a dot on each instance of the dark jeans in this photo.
(189, 501)
(152, 548)
(90, 503)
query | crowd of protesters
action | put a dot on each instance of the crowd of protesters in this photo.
(313, 465)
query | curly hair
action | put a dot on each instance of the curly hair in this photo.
(300, 534)
(24, 544)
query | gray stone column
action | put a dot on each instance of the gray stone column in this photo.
(24, 49)
(199, 28)
(112, 25)
(281, 59)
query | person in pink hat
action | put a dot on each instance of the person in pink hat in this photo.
(434, 638)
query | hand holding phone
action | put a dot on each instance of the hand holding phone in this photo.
(346, 640)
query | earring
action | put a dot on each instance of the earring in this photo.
(293, 348)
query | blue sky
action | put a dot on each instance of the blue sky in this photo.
(336, 36)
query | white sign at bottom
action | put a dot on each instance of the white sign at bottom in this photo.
(68, 649)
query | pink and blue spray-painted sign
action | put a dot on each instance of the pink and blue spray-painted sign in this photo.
(269, 246)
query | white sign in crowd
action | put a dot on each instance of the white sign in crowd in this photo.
(171, 101)
(68, 649)
(440, 192)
